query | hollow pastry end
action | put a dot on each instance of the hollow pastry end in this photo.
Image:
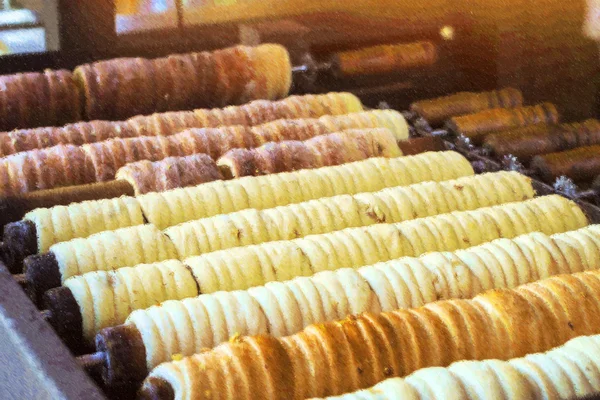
(156, 389)
(12, 209)
(65, 318)
(20, 241)
(125, 355)
(42, 274)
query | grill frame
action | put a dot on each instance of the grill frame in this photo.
(35, 362)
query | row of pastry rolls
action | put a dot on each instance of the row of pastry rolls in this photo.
(333, 358)
(169, 173)
(164, 124)
(437, 111)
(477, 126)
(287, 188)
(67, 165)
(566, 372)
(107, 250)
(32, 99)
(185, 327)
(62, 223)
(175, 172)
(105, 158)
(123, 87)
(525, 143)
(331, 149)
(107, 297)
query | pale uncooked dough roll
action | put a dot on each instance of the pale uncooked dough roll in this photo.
(109, 250)
(221, 197)
(288, 311)
(404, 283)
(345, 211)
(105, 298)
(567, 372)
(183, 327)
(79, 220)
(245, 267)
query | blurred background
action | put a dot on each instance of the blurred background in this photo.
(536, 45)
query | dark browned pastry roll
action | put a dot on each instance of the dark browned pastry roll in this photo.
(31, 100)
(63, 165)
(386, 58)
(321, 151)
(437, 111)
(170, 173)
(477, 126)
(581, 164)
(524, 143)
(120, 88)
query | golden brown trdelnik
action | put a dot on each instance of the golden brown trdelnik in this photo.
(524, 143)
(170, 173)
(124, 87)
(164, 124)
(32, 99)
(477, 126)
(321, 151)
(357, 352)
(437, 111)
